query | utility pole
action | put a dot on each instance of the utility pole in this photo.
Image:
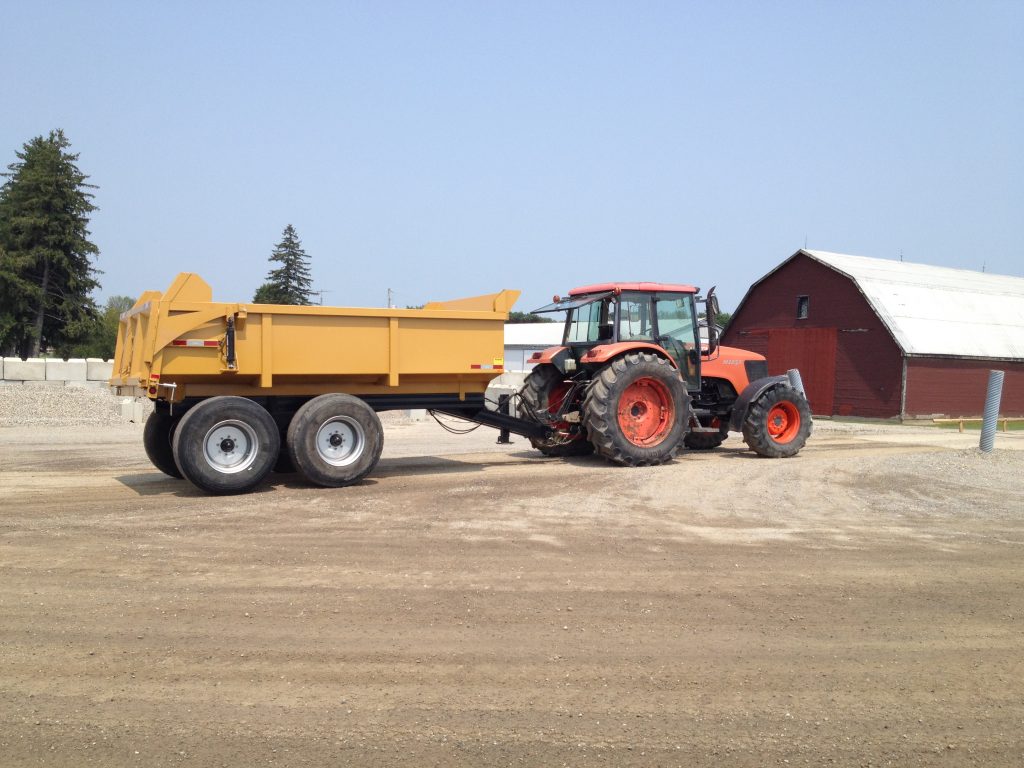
(391, 303)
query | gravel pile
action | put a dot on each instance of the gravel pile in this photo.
(28, 405)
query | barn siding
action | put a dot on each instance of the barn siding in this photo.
(868, 363)
(956, 387)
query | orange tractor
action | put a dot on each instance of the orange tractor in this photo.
(634, 381)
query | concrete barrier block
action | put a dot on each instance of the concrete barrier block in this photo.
(1, 369)
(134, 410)
(98, 370)
(16, 369)
(65, 370)
(44, 383)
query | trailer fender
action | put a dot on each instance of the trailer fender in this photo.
(750, 393)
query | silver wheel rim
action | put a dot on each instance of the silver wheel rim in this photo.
(340, 441)
(230, 446)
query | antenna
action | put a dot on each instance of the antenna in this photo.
(320, 295)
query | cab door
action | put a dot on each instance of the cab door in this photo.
(677, 332)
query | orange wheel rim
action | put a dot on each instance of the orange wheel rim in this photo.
(783, 422)
(646, 412)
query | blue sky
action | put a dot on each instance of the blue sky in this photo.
(444, 149)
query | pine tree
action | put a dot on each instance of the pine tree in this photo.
(46, 272)
(291, 283)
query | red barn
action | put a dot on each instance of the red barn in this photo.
(881, 338)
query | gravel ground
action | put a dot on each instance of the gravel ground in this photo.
(41, 405)
(477, 604)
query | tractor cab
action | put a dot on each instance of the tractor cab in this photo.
(604, 320)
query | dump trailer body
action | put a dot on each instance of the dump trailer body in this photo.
(181, 344)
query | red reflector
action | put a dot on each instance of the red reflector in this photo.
(475, 367)
(195, 343)
(152, 390)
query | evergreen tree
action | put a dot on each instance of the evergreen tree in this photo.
(102, 338)
(46, 272)
(291, 283)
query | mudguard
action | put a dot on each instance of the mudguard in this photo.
(750, 393)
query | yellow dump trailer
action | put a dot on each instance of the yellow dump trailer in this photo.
(241, 387)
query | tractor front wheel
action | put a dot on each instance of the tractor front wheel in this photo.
(778, 423)
(636, 410)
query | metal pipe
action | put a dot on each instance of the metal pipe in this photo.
(795, 381)
(992, 397)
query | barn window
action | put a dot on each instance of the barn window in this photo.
(803, 305)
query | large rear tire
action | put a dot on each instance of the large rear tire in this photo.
(543, 392)
(335, 440)
(778, 423)
(226, 445)
(157, 437)
(636, 410)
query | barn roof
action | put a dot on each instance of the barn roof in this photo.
(937, 310)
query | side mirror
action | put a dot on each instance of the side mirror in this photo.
(710, 314)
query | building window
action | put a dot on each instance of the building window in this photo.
(803, 304)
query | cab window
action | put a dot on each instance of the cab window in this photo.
(635, 319)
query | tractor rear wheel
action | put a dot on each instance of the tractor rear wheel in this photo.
(706, 441)
(636, 410)
(778, 423)
(543, 392)
(157, 437)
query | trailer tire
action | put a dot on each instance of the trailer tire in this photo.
(226, 445)
(636, 410)
(778, 423)
(706, 441)
(335, 440)
(157, 438)
(541, 395)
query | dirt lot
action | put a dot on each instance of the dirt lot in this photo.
(474, 604)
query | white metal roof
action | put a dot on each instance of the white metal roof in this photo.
(539, 335)
(938, 310)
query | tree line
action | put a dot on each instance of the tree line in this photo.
(47, 270)
(47, 260)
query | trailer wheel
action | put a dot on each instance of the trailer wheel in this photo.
(226, 444)
(335, 440)
(706, 441)
(543, 392)
(636, 410)
(157, 437)
(778, 423)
